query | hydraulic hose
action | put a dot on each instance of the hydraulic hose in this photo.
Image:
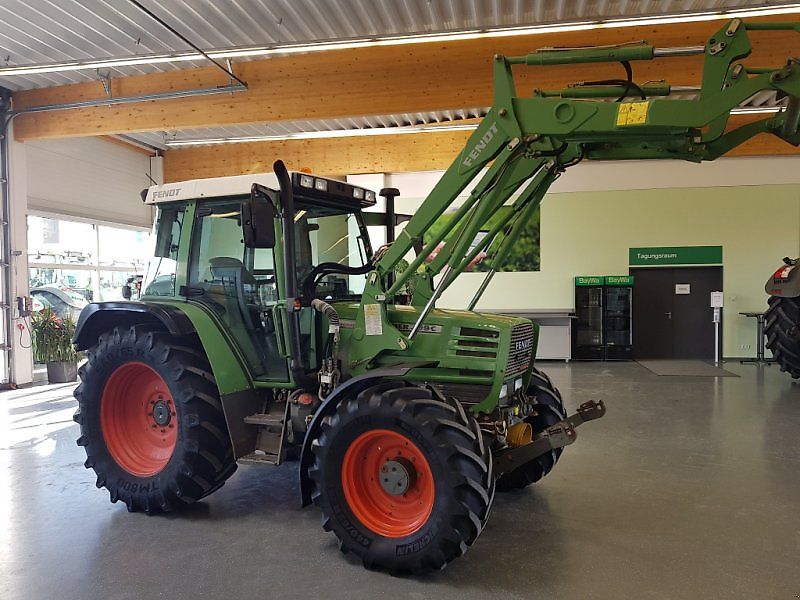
(311, 280)
(326, 309)
(329, 373)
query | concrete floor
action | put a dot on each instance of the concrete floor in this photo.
(688, 488)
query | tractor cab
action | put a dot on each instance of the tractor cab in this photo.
(247, 252)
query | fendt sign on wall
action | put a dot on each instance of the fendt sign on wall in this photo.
(675, 255)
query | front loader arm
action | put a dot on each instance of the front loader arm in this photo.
(488, 144)
(524, 143)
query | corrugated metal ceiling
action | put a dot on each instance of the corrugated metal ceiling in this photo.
(158, 139)
(46, 31)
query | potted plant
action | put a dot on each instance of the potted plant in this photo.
(52, 344)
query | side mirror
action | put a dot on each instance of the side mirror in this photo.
(127, 293)
(258, 220)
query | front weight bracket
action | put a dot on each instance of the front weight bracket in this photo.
(556, 436)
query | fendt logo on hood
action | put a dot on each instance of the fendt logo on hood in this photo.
(160, 194)
(523, 345)
(480, 146)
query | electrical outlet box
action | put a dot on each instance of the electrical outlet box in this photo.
(24, 306)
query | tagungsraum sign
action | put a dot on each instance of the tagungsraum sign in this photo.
(675, 255)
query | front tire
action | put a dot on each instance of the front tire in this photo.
(549, 411)
(151, 420)
(782, 330)
(403, 480)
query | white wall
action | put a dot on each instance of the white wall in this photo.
(91, 178)
(86, 178)
(596, 211)
(21, 351)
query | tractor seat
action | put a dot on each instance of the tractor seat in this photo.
(231, 270)
(232, 275)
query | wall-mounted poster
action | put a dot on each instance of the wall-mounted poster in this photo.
(523, 255)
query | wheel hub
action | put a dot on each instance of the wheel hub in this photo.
(162, 414)
(138, 419)
(388, 483)
(396, 477)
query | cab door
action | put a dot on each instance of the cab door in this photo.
(238, 285)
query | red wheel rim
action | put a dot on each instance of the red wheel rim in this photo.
(138, 418)
(367, 474)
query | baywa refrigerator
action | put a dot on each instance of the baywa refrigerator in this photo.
(602, 329)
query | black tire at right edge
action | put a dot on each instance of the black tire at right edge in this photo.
(782, 330)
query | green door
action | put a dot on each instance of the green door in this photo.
(238, 284)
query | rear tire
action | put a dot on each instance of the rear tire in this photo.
(151, 420)
(549, 411)
(446, 478)
(782, 329)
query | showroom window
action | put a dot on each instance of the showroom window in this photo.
(72, 262)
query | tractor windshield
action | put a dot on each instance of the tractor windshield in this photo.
(160, 277)
(326, 237)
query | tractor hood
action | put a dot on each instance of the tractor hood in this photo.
(484, 357)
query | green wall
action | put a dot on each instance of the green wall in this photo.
(589, 233)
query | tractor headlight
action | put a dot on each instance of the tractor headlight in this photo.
(358, 193)
(370, 196)
(307, 181)
(321, 185)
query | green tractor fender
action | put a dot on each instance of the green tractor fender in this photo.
(179, 319)
(101, 316)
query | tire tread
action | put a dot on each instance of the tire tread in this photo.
(459, 443)
(204, 453)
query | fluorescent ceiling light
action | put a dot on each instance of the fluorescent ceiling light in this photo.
(416, 38)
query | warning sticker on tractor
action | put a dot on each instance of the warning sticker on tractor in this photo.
(632, 113)
(372, 319)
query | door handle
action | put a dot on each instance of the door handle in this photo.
(668, 315)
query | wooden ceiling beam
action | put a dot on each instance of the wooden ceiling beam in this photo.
(369, 154)
(366, 81)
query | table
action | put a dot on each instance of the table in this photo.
(759, 359)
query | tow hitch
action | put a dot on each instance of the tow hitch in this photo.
(556, 436)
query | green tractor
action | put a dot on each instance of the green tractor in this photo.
(269, 328)
(250, 344)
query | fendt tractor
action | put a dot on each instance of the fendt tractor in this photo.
(269, 328)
